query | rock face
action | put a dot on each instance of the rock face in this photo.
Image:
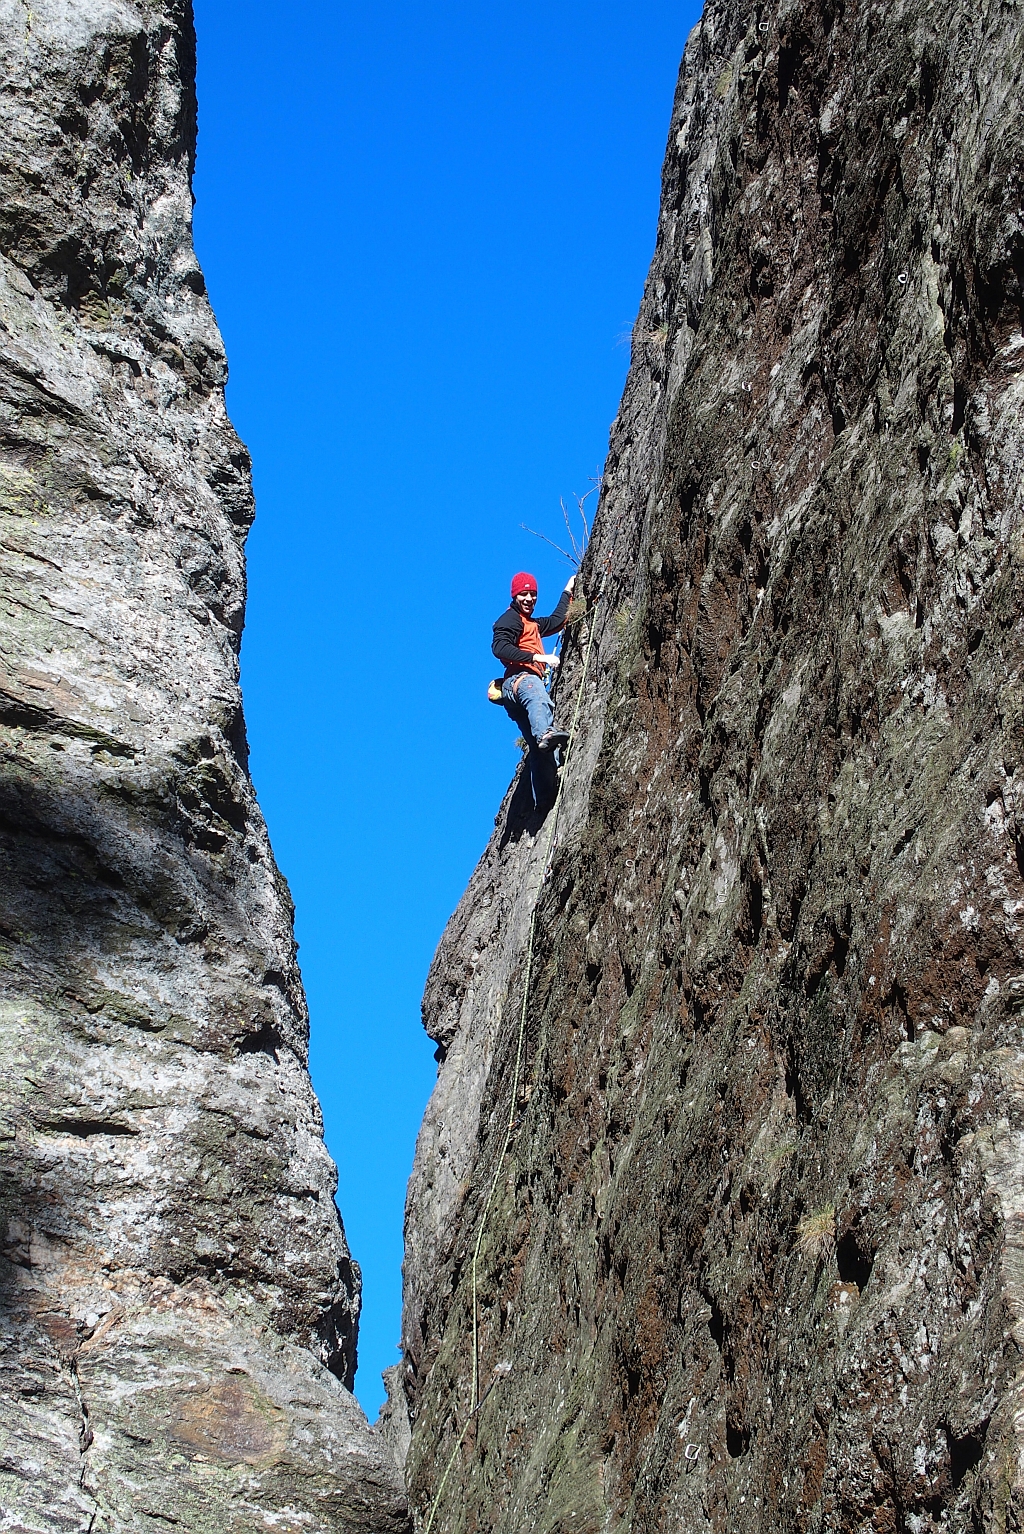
(755, 1255)
(178, 1301)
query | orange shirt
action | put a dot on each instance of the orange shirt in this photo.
(531, 641)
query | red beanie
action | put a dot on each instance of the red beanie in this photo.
(523, 582)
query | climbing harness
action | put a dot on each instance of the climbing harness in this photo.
(495, 693)
(476, 1399)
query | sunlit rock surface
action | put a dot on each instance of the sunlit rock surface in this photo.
(756, 1256)
(177, 1302)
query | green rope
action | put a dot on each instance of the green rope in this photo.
(476, 1401)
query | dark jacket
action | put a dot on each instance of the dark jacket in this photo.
(509, 630)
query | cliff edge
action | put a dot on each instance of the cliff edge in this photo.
(178, 1303)
(754, 1258)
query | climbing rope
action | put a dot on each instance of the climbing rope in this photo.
(454, 1454)
(476, 1400)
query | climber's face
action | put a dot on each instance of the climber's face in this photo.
(526, 601)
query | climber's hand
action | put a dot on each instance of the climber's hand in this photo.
(549, 660)
(570, 583)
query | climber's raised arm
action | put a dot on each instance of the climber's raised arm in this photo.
(556, 620)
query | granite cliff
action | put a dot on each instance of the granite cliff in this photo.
(178, 1303)
(755, 1258)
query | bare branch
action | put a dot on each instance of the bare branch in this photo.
(578, 544)
(577, 553)
(554, 545)
(595, 489)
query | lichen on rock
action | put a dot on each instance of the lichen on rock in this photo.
(178, 1301)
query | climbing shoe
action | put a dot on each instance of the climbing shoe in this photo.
(552, 739)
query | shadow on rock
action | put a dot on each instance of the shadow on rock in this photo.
(532, 800)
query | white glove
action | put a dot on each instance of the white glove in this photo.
(549, 660)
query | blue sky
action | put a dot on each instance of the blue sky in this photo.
(425, 232)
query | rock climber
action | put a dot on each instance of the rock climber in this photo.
(518, 645)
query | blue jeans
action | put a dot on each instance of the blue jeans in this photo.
(529, 707)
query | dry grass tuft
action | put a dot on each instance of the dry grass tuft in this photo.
(816, 1233)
